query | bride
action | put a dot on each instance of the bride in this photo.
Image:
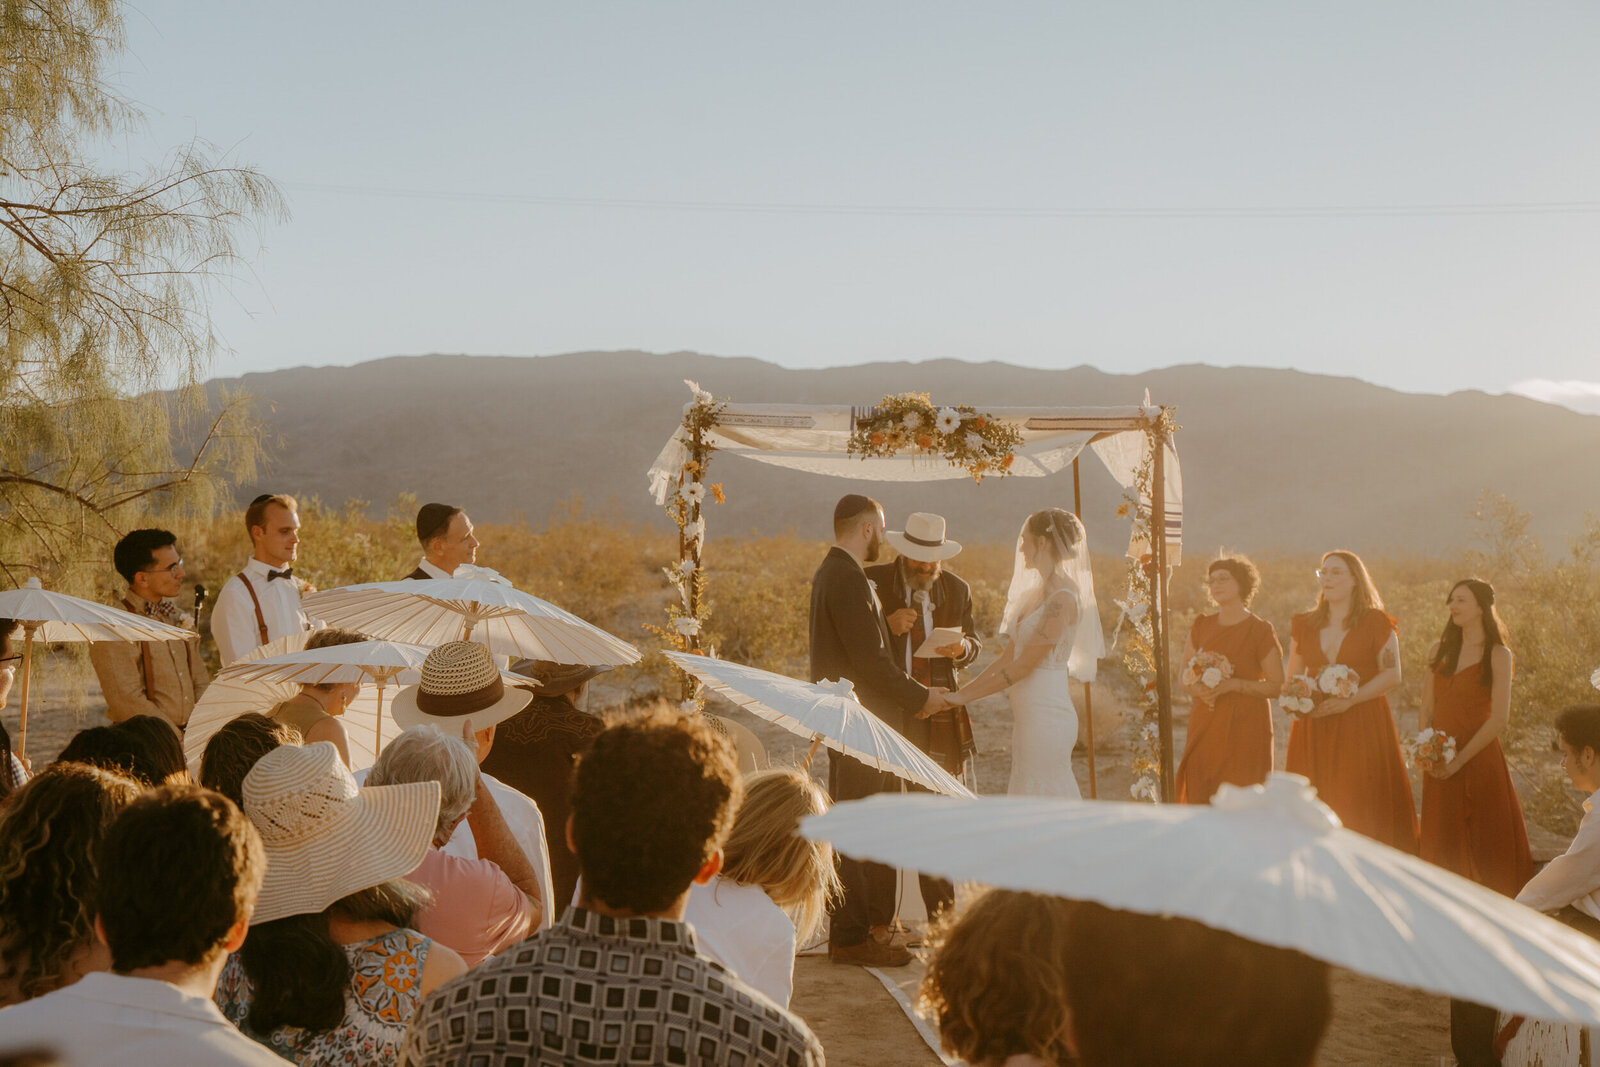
(1054, 631)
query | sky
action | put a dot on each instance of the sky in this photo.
(1406, 193)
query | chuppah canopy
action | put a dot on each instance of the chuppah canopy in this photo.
(815, 438)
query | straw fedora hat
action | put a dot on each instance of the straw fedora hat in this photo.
(459, 682)
(923, 539)
(325, 837)
(555, 679)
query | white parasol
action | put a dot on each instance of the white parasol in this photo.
(1268, 863)
(826, 713)
(435, 610)
(57, 617)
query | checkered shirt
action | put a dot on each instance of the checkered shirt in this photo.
(597, 990)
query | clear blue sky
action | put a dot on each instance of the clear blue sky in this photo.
(1322, 186)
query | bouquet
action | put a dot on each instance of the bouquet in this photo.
(1209, 669)
(1301, 695)
(1337, 680)
(1433, 746)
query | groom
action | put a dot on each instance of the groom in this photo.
(849, 639)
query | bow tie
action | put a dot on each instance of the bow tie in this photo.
(287, 572)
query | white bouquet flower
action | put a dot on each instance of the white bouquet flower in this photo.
(1300, 699)
(694, 530)
(1594, 679)
(912, 420)
(686, 567)
(1338, 680)
(949, 420)
(694, 493)
(686, 625)
(974, 441)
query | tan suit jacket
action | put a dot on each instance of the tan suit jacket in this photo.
(177, 675)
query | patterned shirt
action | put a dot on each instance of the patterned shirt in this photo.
(597, 990)
(383, 995)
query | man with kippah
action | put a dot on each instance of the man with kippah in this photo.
(262, 602)
(445, 533)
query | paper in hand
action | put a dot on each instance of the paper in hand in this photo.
(941, 636)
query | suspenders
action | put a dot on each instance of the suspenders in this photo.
(144, 650)
(261, 620)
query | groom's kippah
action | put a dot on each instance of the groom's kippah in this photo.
(433, 520)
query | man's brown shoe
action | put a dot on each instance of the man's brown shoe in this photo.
(869, 954)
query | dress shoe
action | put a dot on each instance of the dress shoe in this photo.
(869, 954)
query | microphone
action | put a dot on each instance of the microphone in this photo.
(199, 598)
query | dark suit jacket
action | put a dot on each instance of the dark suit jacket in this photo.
(849, 639)
(952, 606)
(420, 575)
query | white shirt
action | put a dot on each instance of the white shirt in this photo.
(114, 1018)
(433, 571)
(527, 826)
(233, 618)
(741, 928)
(1572, 877)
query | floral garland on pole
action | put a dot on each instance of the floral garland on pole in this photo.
(686, 617)
(977, 442)
(1138, 614)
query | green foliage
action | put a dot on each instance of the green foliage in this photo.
(105, 283)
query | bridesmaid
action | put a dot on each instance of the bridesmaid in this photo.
(1471, 818)
(1348, 747)
(1230, 727)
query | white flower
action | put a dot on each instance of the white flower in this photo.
(1594, 679)
(1211, 678)
(686, 567)
(912, 420)
(689, 707)
(694, 492)
(1136, 790)
(694, 530)
(949, 420)
(974, 441)
(1150, 731)
(686, 626)
(703, 397)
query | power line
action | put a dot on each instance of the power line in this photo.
(1335, 211)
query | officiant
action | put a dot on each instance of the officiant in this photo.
(919, 597)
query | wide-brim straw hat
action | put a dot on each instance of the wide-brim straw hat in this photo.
(556, 679)
(325, 837)
(923, 539)
(459, 682)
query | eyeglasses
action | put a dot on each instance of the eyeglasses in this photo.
(172, 569)
(1323, 572)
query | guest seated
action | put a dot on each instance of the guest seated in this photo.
(742, 917)
(314, 712)
(49, 831)
(480, 906)
(1025, 980)
(236, 747)
(333, 970)
(652, 803)
(179, 843)
(146, 748)
(1569, 886)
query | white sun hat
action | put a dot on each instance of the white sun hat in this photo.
(459, 682)
(923, 539)
(325, 837)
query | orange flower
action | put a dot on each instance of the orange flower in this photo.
(982, 422)
(716, 492)
(877, 440)
(924, 441)
(1122, 512)
(1005, 462)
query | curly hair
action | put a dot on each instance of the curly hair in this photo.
(765, 847)
(997, 982)
(1244, 572)
(652, 801)
(50, 830)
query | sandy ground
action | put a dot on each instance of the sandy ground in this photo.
(857, 1020)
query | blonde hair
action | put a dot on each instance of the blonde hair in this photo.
(997, 982)
(256, 514)
(1363, 598)
(765, 848)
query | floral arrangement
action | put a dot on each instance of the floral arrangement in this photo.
(686, 617)
(1338, 680)
(1299, 695)
(1433, 747)
(977, 442)
(1209, 669)
(1594, 679)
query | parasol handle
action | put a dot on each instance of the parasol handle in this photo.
(28, 629)
(377, 729)
(816, 739)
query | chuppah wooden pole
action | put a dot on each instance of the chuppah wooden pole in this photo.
(1088, 699)
(28, 630)
(1162, 622)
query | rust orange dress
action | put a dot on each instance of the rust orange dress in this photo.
(1231, 741)
(1354, 758)
(1472, 821)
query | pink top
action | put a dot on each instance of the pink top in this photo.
(476, 909)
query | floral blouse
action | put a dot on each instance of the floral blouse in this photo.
(385, 989)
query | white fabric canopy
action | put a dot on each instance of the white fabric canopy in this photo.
(816, 438)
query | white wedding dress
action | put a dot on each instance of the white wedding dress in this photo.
(1044, 722)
